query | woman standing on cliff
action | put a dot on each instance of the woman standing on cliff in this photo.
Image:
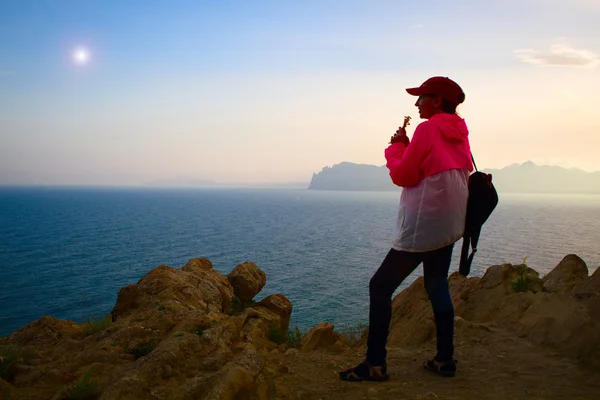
(433, 170)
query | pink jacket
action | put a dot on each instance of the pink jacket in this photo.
(439, 144)
(433, 170)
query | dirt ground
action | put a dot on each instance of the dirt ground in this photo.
(491, 365)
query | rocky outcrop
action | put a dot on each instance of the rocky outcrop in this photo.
(589, 287)
(173, 335)
(561, 310)
(568, 273)
(247, 280)
(178, 334)
(322, 336)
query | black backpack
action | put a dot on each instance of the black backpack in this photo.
(483, 198)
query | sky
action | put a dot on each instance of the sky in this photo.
(127, 93)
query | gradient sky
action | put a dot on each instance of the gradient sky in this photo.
(272, 91)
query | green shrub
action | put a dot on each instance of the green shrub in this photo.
(84, 388)
(523, 282)
(159, 305)
(353, 332)
(96, 324)
(10, 357)
(294, 337)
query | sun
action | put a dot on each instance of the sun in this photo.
(81, 56)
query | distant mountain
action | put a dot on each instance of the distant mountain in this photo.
(516, 178)
(350, 176)
(531, 178)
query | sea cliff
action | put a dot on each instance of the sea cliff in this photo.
(194, 333)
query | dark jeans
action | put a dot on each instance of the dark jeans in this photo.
(396, 266)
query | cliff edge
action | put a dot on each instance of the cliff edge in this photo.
(194, 333)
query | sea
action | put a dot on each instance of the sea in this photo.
(66, 252)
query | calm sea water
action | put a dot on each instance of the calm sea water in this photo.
(67, 252)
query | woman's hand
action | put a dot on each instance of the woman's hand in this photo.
(400, 137)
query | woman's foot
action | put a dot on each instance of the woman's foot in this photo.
(443, 368)
(365, 372)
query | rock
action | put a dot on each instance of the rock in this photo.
(173, 337)
(321, 335)
(594, 308)
(567, 322)
(339, 346)
(461, 288)
(412, 318)
(195, 286)
(247, 280)
(235, 380)
(461, 323)
(251, 312)
(231, 384)
(127, 299)
(283, 369)
(203, 267)
(198, 264)
(291, 352)
(277, 303)
(589, 286)
(428, 396)
(6, 388)
(281, 306)
(566, 275)
(45, 331)
(167, 371)
(504, 275)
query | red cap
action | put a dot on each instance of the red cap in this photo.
(440, 86)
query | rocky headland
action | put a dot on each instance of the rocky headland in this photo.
(516, 178)
(194, 333)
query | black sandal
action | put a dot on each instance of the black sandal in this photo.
(444, 368)
(365, 372)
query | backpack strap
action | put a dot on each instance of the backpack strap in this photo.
(475, 165)
(470, 239)
(466, 259)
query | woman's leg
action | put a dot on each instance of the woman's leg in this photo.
(396, 266)
(435, 270)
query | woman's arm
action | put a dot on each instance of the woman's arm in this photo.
(404, 161)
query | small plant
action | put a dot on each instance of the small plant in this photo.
(159, 305)
(236, 306)
(84, 388)
(142, 348)
(275, 335)
(523, 281)
(353, 332)
(96, 324)
(199, 332)
(294, 337)
(10, 356)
